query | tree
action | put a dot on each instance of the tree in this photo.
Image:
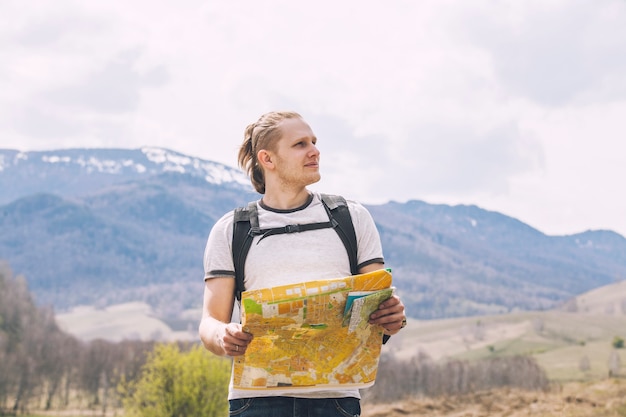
(96, 372)
(615, 363)
(421, 376)
(175, 384)
(21, 331)
(618, 342)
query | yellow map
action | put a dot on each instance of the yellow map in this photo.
(305, 338)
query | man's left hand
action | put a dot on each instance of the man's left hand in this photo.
(390, 315)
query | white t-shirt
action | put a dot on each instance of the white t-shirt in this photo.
(290, 258)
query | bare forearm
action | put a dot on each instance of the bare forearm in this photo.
(211, 333)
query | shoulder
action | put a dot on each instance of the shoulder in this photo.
(226, 219)
(357, 210)
(224, 225)
(335, 199)
(361, 217)
(230, 217)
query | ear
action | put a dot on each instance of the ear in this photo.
(266, 159)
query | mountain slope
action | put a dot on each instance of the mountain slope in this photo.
(129, 241)
(128, 234)
(465, 260)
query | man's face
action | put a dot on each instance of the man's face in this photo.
(297, 157)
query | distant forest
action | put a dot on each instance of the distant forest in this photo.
(42, 367)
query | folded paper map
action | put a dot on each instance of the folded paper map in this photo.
(305, 335)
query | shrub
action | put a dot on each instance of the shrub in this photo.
(175, 384)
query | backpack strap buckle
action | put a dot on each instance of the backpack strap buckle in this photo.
(246, 227)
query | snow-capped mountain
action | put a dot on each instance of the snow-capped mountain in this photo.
(77, 171)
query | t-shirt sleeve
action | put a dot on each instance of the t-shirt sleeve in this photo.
(218, 259)
(368, 240)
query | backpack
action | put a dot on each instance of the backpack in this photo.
(246, 227)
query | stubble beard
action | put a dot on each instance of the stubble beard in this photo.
(301, 180)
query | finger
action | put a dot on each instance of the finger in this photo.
(390, 302)
(397, 309)
(234, 341)
(389, 320)
(237, 333)
(235, 349)
(394, 327)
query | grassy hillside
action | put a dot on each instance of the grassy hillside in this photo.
(569, 345)
(131, 321)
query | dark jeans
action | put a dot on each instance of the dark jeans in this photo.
(295, 407)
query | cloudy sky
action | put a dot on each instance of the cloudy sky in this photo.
(514, 106)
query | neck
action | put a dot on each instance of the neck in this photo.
(285, 200)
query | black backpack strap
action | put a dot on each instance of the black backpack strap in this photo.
(245, 226)
(338, 212)
(294, 228)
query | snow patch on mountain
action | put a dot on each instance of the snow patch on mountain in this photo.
(144, 161)
(212, 172)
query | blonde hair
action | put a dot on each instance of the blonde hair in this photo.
(262, 134)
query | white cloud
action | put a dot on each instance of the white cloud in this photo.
(552, 52)
(513, 106)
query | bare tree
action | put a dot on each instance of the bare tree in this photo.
(56, 365)
(421, 376)
(40, 364)
(21, 329)
(96, 361)
(615, 363)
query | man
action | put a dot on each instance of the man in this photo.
(280, 155)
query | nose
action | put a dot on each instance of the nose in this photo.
(314, 151)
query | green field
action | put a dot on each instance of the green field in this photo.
(569, 346)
